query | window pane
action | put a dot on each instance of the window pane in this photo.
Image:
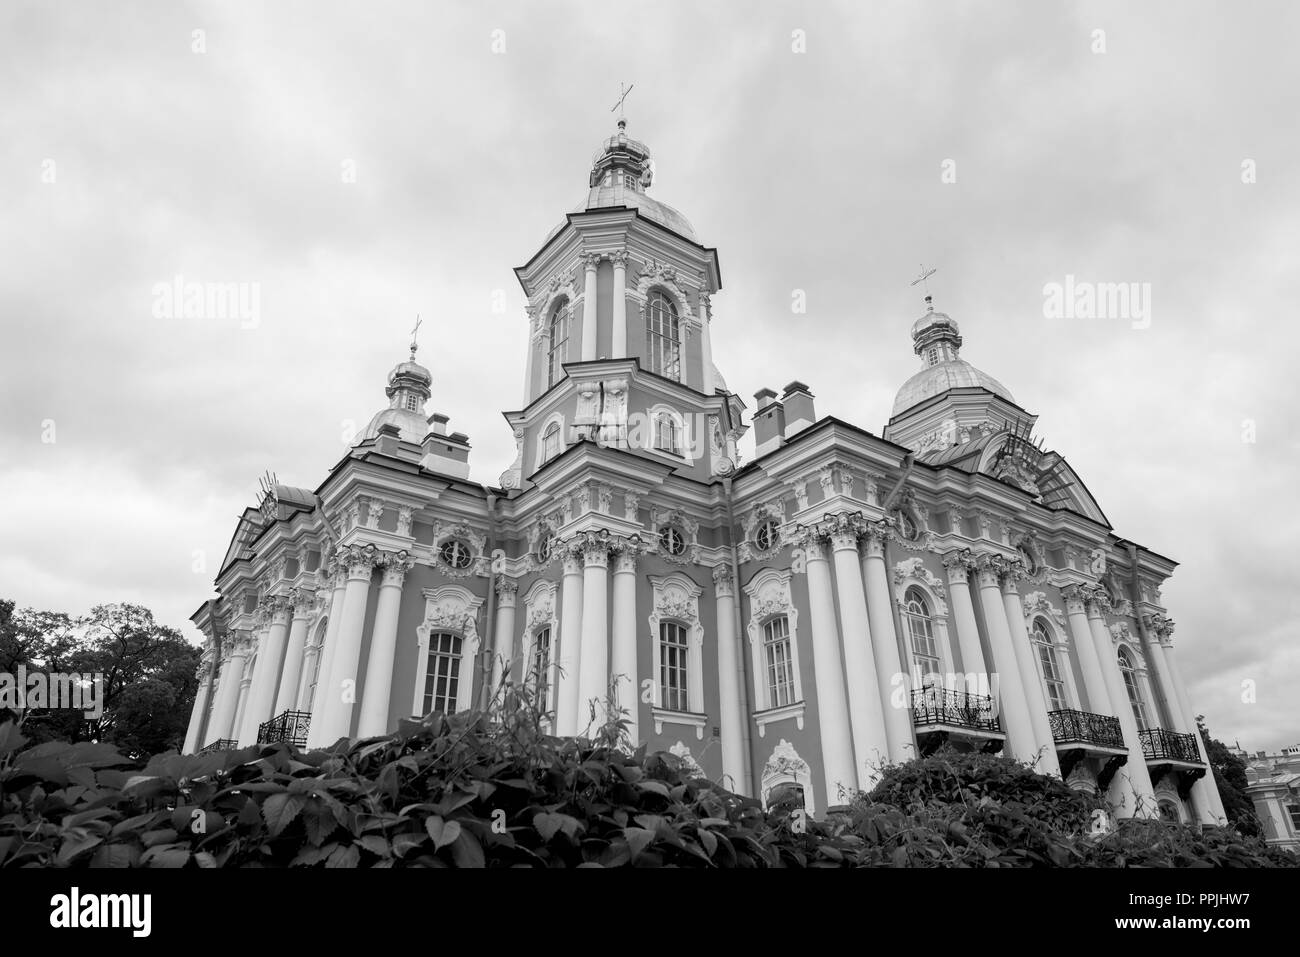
(672, 668)
(780, 663)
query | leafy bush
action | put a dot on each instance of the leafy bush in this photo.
(471, 790)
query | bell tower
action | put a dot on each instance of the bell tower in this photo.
(622, 289)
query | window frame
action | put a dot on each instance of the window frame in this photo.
(1131, 676)
(664, 346)
(456, 658)
(559, 319)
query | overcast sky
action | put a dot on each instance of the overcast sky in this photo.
(133, 150)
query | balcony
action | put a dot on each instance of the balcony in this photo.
(1074, 728)
(221, 744)
(1161, 745)
(288, 726)
(941, 714)
(1174, 755)
(1081, 734)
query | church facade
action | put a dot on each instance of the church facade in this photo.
(843, 601)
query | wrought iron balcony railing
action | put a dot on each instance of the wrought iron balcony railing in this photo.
(221, 744)
(1161, 745)
(288, 726)
(1082, 727)
(943, 706)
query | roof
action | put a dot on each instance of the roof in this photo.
(939, 378)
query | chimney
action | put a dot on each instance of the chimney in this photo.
(389, 439)
(769, 422)
(799, 413)
(443, 453)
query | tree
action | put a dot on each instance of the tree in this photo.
(1230, 776)
(147, 669)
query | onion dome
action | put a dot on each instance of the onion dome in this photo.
(937, 340)
(408, 390)
(621, 172)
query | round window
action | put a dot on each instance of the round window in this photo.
(671, 540)
(455, 553)
(906, 526)
(766, 536)
(544, 548)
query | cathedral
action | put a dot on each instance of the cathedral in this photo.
(844, 601)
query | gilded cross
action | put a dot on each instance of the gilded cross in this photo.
(619, 105)
(925, 277)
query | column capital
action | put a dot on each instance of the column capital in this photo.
(275, 610)
(619, 258)
(572, 560)
(723, 583)
(302, 601)
(405, 516)
(814, 549)
(1160, 628)
(1014, 573)
(396, 565)
(959, 565)
(595, 556)
(1098, 602)
(625, 560)
(591, 260)
(507, 589)
(989, 569)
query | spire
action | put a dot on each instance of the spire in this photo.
(622, 161)
(415, 332)
(935, 336)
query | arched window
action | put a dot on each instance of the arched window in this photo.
(412, 403)
(1127, 669)
(539, 668)
(672, 667)
(557, 342)
(780, 662)
(442, 673)
(920, 630)
(663, 337)
(551, 442)
(666, 437)
(1052, 683)
(309, 696)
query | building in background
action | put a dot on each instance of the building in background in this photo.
(842, 601)
(1273, 784)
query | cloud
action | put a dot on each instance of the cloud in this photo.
(817, 171)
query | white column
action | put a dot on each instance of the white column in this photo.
(623, 664)
(968, 634)
(338, 594)
(200, 709)
(1094, 682)
(1130, 793)
(871, 745)
(897, 709)
(1205, 792)
(530, 359)
(593, 682)
(1030, 678)
(706, 343)
(503, 642)
(832, 704)
(339, 691)
(619, 349)
(1016, 721)
(569, 655)
(732, 717)
(375, 699)
(260, 695)
(589, 261)
(232, 672)
(287, 698)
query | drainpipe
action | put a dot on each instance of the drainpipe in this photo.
(738, 637)
(489, 629)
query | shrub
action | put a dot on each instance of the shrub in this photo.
(471, 790)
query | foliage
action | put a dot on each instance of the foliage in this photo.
(148, 669)
(1230, 775)
(491, 789)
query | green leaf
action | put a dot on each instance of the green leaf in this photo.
(279, 810)
(548, 825)
(166, 855)
(442, 832)
(638, 839)
(344, 857)
(466, 851)
(404, 843)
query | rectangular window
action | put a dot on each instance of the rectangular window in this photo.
(1294, 811)
(1052, 679)
(672, 667)
(442, 674)
(666, 434)
(539, 669)
(780, 662)
(1135, 698)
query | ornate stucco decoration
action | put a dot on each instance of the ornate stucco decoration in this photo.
(1037, 603)
(676, 599)
(770, 598)
(785, 765)
(689, 765)
(690, 528)
(912, 571)
(480, 562)
(770, 511)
